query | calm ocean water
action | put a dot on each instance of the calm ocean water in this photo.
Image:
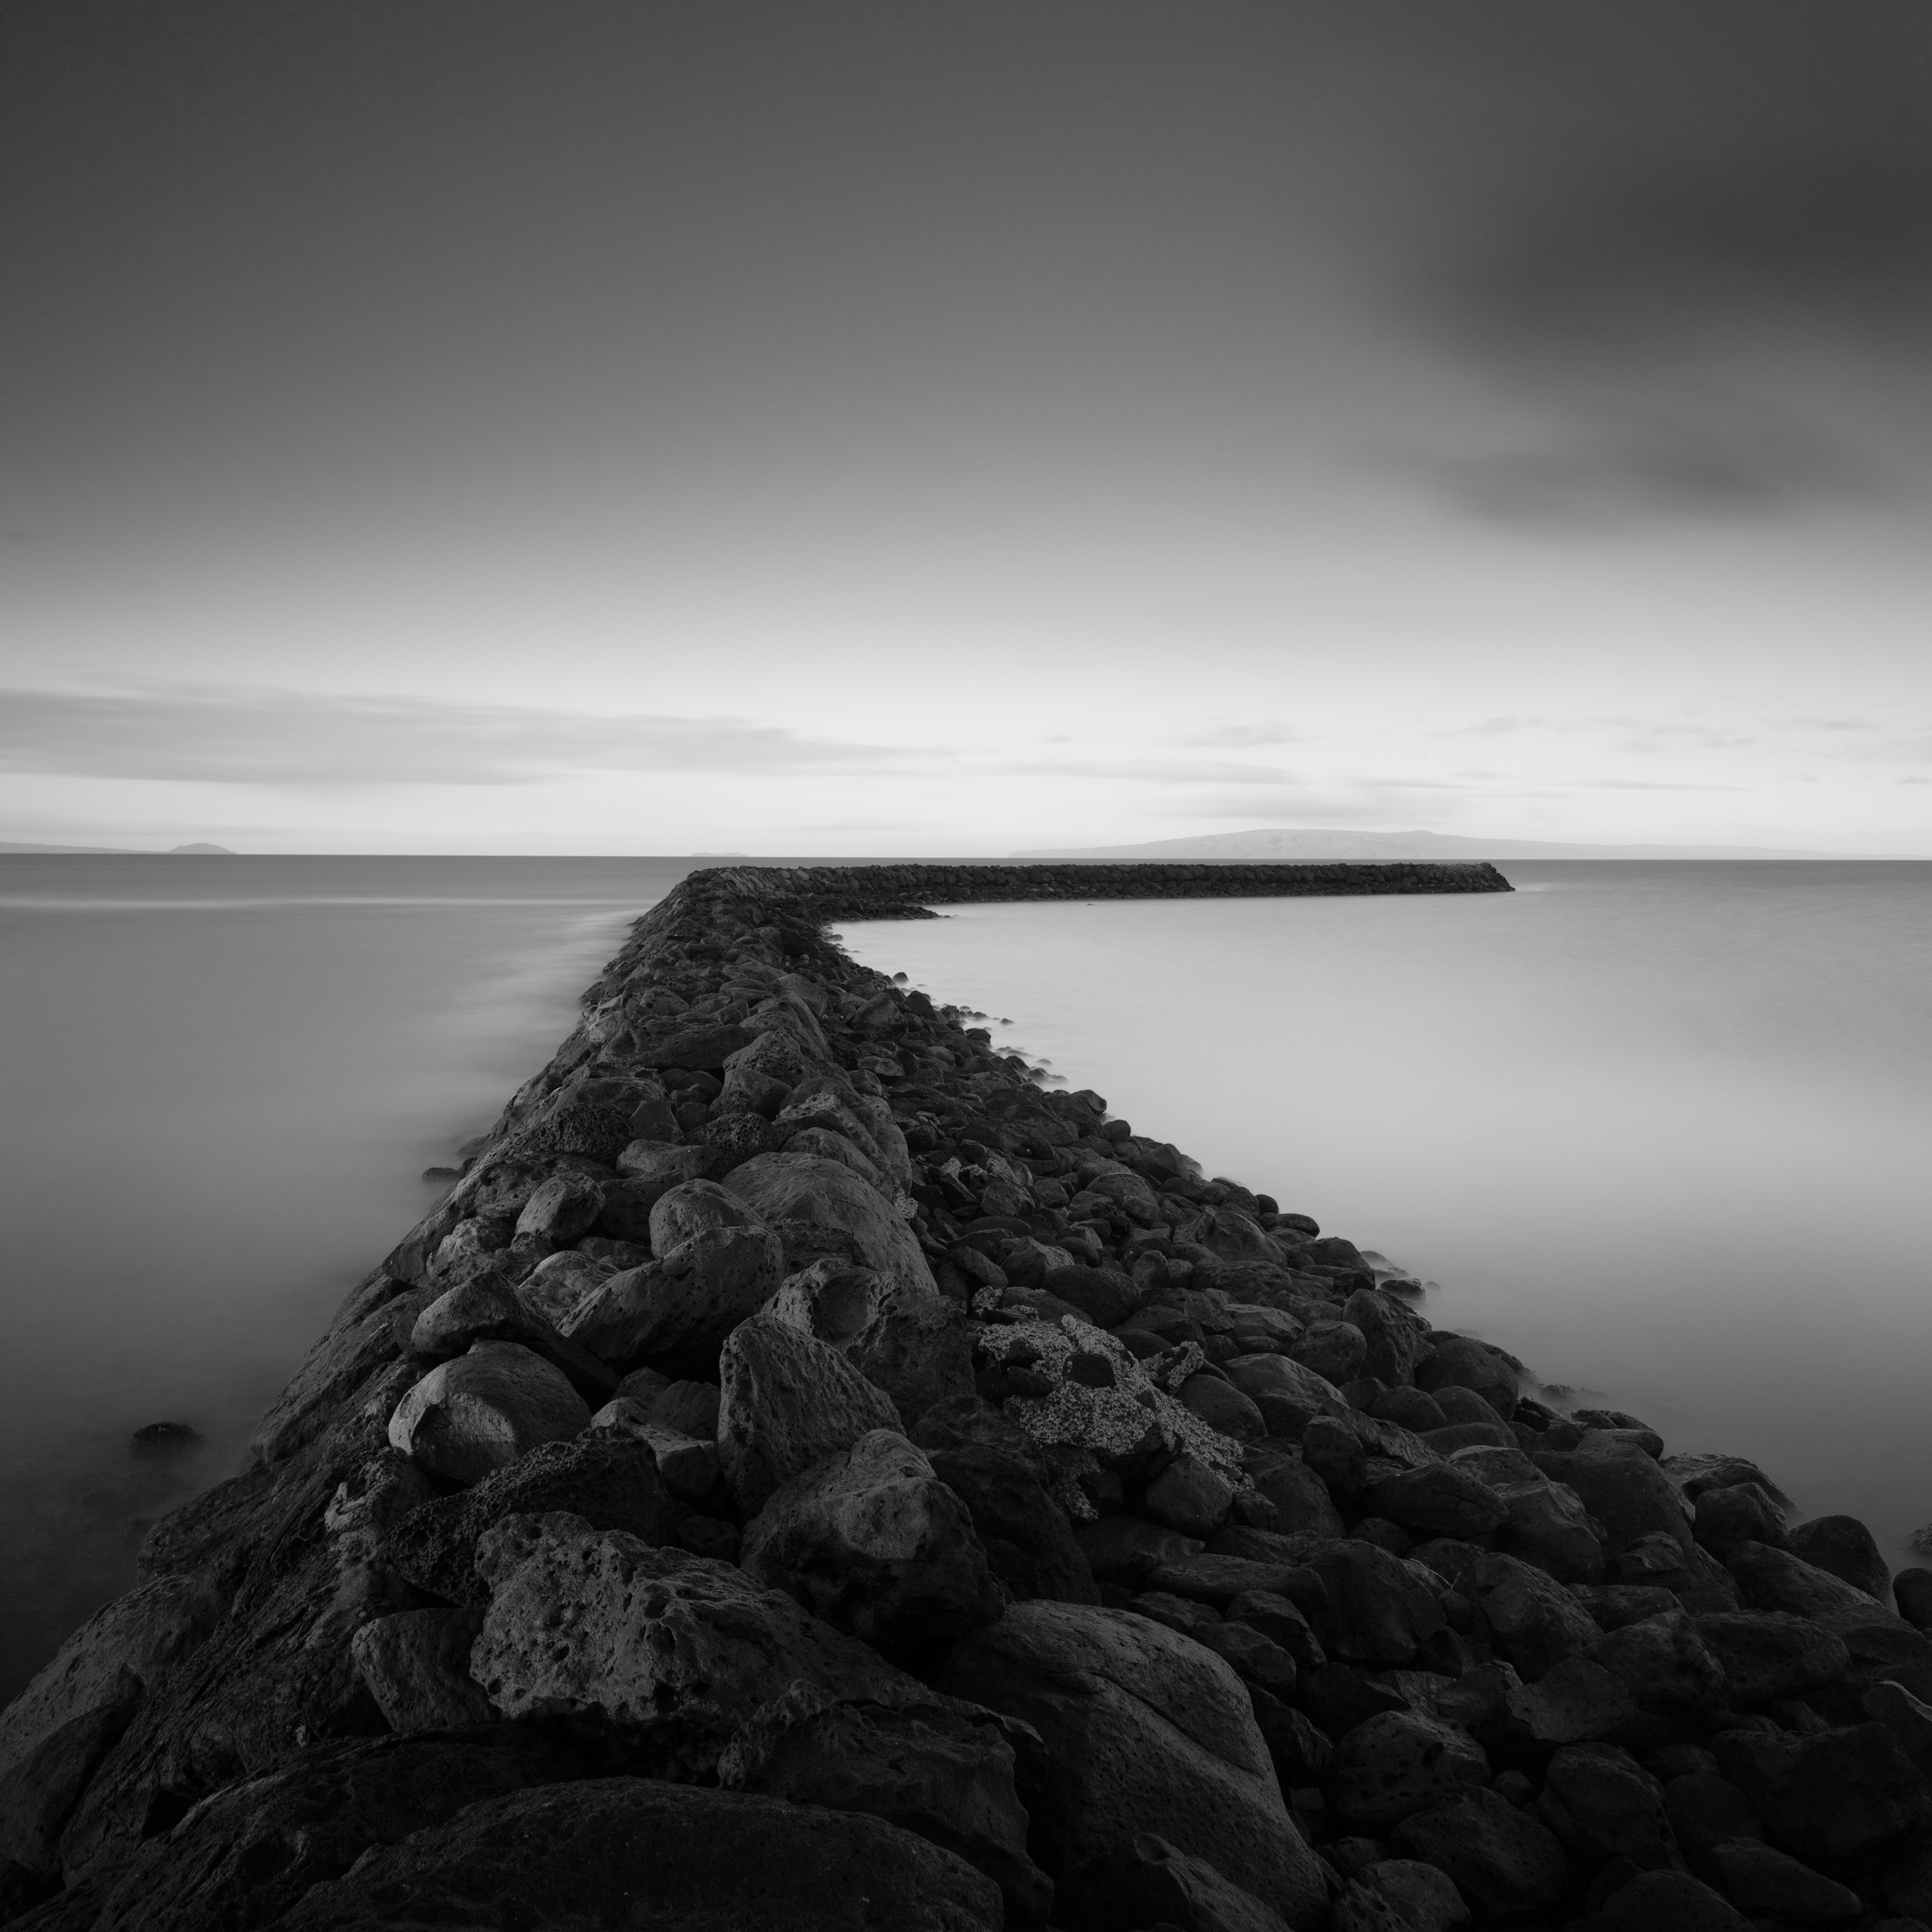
(1661, 1129)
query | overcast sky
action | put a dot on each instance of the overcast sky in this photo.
(886, 427)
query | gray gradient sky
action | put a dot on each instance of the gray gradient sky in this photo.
(952, 427)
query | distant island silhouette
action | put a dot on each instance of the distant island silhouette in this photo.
(1338, 845)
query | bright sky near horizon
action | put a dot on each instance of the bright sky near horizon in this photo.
(988, 424)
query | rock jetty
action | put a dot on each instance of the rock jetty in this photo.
(806, 1475)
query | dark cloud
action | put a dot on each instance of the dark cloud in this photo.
(1607, 468)
(227, 735)
(1705, 206)
(1672, 256)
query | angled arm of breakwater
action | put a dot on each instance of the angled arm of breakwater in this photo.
(823, 894)
(805, 1473)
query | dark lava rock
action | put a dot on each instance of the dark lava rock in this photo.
(1377, 1610)
(1400, 1763)
(1843, 1547)
(1766, 1884)
(1302, 1752)
(1460, 1361)
(610, 1480)
(1105, 1296)
(1662, 1662)
(1834, 1795)
(416, 1666)
(1300, 1498)
(1030, 1545)
(1779, 1579)
(1149, 1882)
(249, 1853)
(1503, 1860)
(1705, 1808)
(1602, 1804)
(872, 1542)
(1627, 1493)
(679, 1859)
(1126, 1551)
(931, 1764)
(1668, 1902)
(1145, 1731)
(162, 1437)
(1222, 1406)
(1770, 1654)
(1531, 1618)
(1412, 1409)
(1737, 1513)
(1440, 1500)
(1912, 1590)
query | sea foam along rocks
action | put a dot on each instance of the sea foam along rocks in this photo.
(1053, 1311)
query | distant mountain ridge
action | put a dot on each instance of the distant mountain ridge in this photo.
(1321, 846)
(121, 852)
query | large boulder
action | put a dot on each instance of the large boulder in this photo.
(1625, 1491)
(1769, 1885)
(1602, 1804)
(788, 1401)
(871, 1540)
(1831, 1796)
(486, 1308)
(1669, 1901)
(1532, 1619)
(484, 1410)
(1436, 1500)
(1399, 1763)
(1150, 1882)
(1662, 1662)
(1779, 1580)
(610, 1482)
(53, 1734)
(714, 1262)
(1084, 1389)
(1768, 1653)
(666, 1856)
(1460, 1362)
(247, 1853)
(1378, 1609)
(1503, 1861)
(822, 1207)
(997, 1472)
(416, 1666)
(1145, 1731)
(915, 1347)
(671, 1651)
(933, 1765)
(1548, 1525)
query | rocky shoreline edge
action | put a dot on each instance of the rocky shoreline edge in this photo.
(806, 1474)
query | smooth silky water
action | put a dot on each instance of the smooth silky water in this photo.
(1661, 1131)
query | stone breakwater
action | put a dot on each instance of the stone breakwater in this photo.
(806, 1475)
